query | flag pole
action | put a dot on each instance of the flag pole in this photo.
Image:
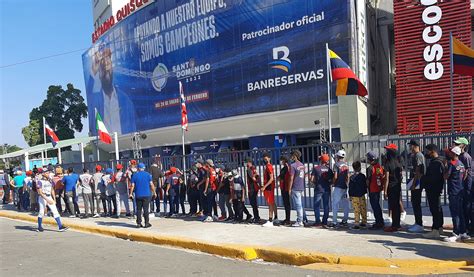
(97, 135)
(184, 156)
(451, 79)
(44, 137)
(328, 73)
(117, 157)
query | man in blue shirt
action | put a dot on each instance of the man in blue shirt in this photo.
(70, 181)
(142, 185)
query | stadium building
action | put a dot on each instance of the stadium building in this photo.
(254, 72)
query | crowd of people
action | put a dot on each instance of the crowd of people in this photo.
(141, 192)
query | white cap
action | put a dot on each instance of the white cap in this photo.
(456, 150)
(341, 153)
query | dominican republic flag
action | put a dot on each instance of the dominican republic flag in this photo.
(102, 132)
(184, 113)
(51, 134)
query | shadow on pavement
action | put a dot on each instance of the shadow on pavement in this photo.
(26, 228)
(118, 224)
(433, 251)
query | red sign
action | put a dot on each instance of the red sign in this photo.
(126, 10)
(422, 57)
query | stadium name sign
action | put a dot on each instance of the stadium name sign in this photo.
(431, 35)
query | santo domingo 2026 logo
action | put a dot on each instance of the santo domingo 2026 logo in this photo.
(283, 63)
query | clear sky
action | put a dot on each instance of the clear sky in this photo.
(31, 29)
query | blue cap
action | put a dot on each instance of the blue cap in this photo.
(372, 156)
(109, 171)
(141, 165)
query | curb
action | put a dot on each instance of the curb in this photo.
(248, 253)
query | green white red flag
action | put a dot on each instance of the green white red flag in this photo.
(102, 132)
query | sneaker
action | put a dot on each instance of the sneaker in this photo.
(151, 215)
(208, 219)
(39, 230)
(215, 218)
(416, 229)
(465, 236)
(63, 228)
(363, 225)
(249, 218)
(434, 234)
(376, 227)
(296, 224)
(221, 218)
(317, 225)
(229, 219)
(115, 216)
(256, 221)
(148, 225)
(452, 238)
(331, 225)
(391, 229)
(403, 215)
(72, 216)
(128, 214)
(139, 225)
(268, 224)
(344, 223)
(96, 216)
(355, 227)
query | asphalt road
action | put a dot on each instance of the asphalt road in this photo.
(24, 252)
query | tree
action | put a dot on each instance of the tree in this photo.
(6, 148)
(63, 110)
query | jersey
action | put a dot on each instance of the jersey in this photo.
(342, 170)
(121, 182)
(45, 186)
(375, 174)
(267, 176)
(85, 183)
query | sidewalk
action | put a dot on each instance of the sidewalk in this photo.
(296, 246)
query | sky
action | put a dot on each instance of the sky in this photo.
(31, 29)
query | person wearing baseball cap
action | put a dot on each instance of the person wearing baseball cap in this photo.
(417, 171)
(142, 185)
(46, 197)
(98, 192)
(375, 176)
(339, 193)
(210, 187)
(466, 159)
(455, 178)
(122, 195)
(322, 177)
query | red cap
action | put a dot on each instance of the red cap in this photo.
(391, 146)
(119, 166)
(173, 169)
(40, 170)
(98, 167)
(133, 162)
(29, 173)
(324, 158)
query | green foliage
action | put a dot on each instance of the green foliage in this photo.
(6, 148)
(63, 110)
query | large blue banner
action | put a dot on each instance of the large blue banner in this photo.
(233, 57)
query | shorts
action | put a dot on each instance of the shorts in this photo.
(269, 196)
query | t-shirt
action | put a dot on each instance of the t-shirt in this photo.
(395, 174)
(142, 181)
(284, 178)
(342, 170)
(173, 180)
(108, 182)
(418, 161)
(45, 186)
(322, 175)
(251, 184)
(357, 185)
(375, 175)
(121, 182)
(455, 172)
(98, 185)
(433, 180)
(466, 159)
(156, 172)
(70, 182)
(267, 175)
(297, 171)
(18, 181)
(193, 180)
(212, 179)
(85, 180)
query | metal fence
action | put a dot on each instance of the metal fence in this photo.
(356, 150)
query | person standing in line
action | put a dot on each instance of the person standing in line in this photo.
(433, 181)
(357, 192)
(220, 170)
(237, 191)
(202, 176)
(71, 180)
(268, 189)
(17, 187)
(322, 176)
(455, 176)
(419, 167)
(132, 169)
(85, 180)
(157, 176)
(253, 187)
(142, 186)
(393, 185)
(182, 194)
(122, 195)
(210, 188)
(30, 182)
(47, 198)
(284, 179)
(172, 191)
(375, 176)
(99, 191)
(466, 159)
(110, 191)
(296, 187)
(339, 195)
(193, 192)
(59, 189)
(5, 183)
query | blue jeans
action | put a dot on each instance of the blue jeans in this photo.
(456, 204)
(339, 196)
(324, 196)
(297, 204)
(374, 198)
(211, 200)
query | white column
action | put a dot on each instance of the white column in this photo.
(27, 161)
(42, 158)
(117, 156)
(60, 159)
(82, 152)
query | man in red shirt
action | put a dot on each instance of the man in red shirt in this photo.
(375, 182)
(210, 189)
(268, 189)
